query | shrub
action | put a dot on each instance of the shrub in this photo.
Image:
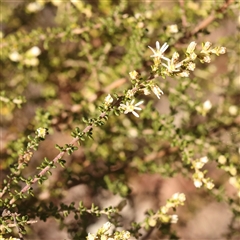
(140, 100)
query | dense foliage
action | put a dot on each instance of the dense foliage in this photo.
(120, 119)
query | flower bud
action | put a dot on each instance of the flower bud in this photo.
(222, 159)
(134, 75)
(15, 56)
(191, 47)
(204, 159)
(207, 59)
(106, 226)
(222, 50)
(207, 105)
(174, 218)
(206, 46)
(33, 52)
(108, 100)
(172, 28)
(197, 183)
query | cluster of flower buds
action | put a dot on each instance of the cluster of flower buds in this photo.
(232, 169)
(163, 215)
(206, 51)
(103, 234)
(174, 67)
(29, 58)
(235, 182)
(199, 178)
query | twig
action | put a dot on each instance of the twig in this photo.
(61, 154)
(28, 222)
(17, 226)
(211, 18)
(3, 192)
(6, 213)
(42, 37)
(204, 23)
(58, 157)
(184, 19)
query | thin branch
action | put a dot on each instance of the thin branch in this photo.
(17, 226)
(61, 154)
(42, 37)
(14, 225)
(3, 192)
(205, 22)
(58, 157)
(212, 17)
(184, 18)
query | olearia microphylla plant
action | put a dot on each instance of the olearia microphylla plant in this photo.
(126, 106)
(140, 115)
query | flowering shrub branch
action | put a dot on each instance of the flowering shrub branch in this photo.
(123, 104)
(161, 141)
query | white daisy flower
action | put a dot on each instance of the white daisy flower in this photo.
(130, 107)
(171, 66)
(160, 50)
(42, 132)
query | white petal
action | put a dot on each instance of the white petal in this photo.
(139, 103)
(152, 49)
(164, 47)
(165, 58)
(135, 114)
(165, 65)
(157, 45)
